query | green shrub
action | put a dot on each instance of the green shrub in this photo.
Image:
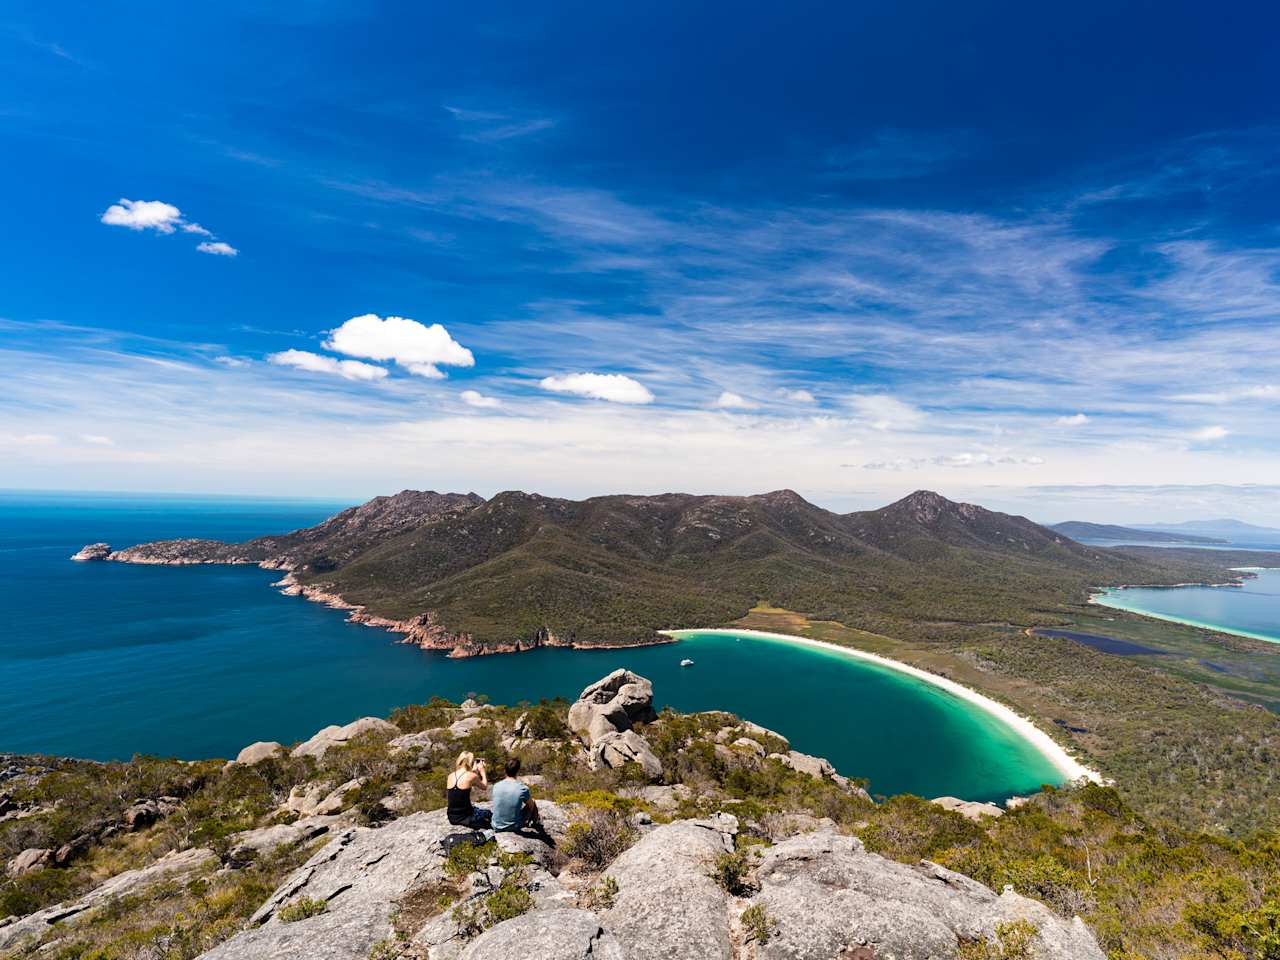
(603, 800)
(511, 899)
(34, 891)
(910, 829)
(436, 712)
(602, 895)
(1013, 942)
(544, 722)
(732, 872)
(466, 858)
(598, 838)
(1048, 879)
(302, 909)
(757, 925)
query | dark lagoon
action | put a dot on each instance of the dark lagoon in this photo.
(102, 660)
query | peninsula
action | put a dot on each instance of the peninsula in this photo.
(458, 573)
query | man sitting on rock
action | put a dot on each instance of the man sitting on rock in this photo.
(513, 805)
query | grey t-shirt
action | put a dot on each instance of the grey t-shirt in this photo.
(508, 801)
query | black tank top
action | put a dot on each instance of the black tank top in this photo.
(459, 804)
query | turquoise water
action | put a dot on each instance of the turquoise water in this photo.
(103, 660)
(1252, 610)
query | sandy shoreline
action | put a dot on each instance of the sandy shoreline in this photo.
(1100, 600)
(1071, 768)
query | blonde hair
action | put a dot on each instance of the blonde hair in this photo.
(466, 760)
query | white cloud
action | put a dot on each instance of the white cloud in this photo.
(413, 345)
(231, 361)
(97, 439)
(1075, 420)
(797, 396)
(613, 387)
(1210, 433)
(733, 401)
(143, 215)
(163, 218)
(885, 412)
(218, 248)
(1265, 391)
(474, 398)
(314, 362)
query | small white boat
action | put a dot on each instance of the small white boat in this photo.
(686, 663)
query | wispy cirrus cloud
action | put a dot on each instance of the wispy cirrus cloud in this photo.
(318, 363)
(485, 126)
(884, 412)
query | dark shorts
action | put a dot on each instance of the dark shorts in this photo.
(522, 820)
(479, 819)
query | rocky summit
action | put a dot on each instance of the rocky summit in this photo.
(662, 837)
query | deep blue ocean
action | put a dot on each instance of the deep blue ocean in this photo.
(103, 660)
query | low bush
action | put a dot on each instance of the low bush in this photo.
(757, 925)
(598, 838)
(1013, 942)
(732, 871)
(466, 858)
(436, 712)
(602, 895)
(301, 909)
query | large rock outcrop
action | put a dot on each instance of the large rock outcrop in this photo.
(605, 712)
(358, 876)
(667, 906)
(561, 934)
(828, 896)
(93, 551)
(256, 753)
(363, 874)
(334, 736)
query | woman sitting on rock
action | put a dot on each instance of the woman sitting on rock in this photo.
(467, 772)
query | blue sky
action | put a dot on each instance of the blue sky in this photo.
(1021, 255)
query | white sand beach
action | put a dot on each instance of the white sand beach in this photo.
(1071, 768)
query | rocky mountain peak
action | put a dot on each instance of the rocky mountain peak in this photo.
(926, 507)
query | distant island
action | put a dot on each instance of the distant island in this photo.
(471, 576)
(1236, 531)
(1081, 530)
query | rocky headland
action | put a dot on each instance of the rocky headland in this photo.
(469, 576)
(666, 836)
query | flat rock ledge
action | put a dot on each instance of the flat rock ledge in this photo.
(825, 896)
(178, 864)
